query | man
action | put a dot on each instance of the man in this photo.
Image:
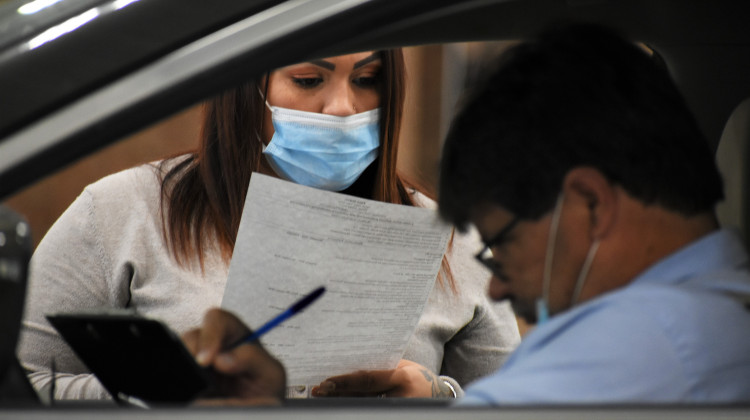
(594, 191)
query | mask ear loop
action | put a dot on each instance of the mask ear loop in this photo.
(541, 304)
(584, 272)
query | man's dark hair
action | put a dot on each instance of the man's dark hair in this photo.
(579, 95)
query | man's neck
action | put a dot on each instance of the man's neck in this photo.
(644, 235)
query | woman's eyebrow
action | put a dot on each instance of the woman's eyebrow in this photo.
(325, 64)
(370, 58)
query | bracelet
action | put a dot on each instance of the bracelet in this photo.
(453, 390)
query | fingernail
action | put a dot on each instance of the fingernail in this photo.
(225, 359)
(327, 386)
(202, 358)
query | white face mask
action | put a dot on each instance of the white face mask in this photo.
(320, 150)
(542, 304)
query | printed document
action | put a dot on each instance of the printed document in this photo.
(378, 262)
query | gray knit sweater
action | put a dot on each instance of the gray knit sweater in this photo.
(107, 251)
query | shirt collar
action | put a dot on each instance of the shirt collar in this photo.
(718, 251)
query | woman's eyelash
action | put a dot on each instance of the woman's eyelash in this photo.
(307, 82)
(311, 82)
(366, 81)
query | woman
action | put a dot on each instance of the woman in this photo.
(158, 238)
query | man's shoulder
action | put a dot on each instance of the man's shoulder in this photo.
(670, 307)
(621, 327)
(646, 343)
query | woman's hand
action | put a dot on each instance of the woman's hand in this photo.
(244, 375)
(409, 379)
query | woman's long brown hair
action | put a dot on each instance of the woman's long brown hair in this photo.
(203, 195)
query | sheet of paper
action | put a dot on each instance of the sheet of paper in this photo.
(378, 262)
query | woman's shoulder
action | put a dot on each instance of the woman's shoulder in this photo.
(464, 240)
(123, 203)
(462, 246)
(142, 180)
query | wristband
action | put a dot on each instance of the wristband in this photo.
(453, 390)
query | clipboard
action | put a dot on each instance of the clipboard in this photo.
(134, 357)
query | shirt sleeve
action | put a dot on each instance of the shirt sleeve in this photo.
(67, 274)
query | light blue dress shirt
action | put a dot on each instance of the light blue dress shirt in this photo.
(678, 333)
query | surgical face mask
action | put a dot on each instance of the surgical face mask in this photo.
(322, 151)
(542, 304)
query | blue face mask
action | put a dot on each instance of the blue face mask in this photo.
(322, 151)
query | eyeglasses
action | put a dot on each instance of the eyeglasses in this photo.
(485, 256)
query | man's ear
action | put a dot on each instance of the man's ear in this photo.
(593, 189)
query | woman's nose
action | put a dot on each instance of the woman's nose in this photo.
(340, 101)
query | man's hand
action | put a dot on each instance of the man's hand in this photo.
(409, 379)
(245, 375)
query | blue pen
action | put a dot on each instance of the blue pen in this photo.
(293, 310)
